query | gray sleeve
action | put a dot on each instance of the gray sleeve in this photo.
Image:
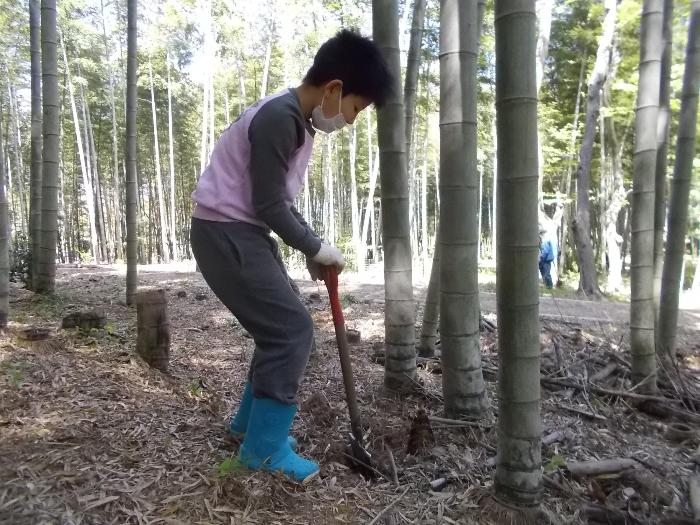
(301, 220)
(276, 131)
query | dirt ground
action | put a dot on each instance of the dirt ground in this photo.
(90, 434)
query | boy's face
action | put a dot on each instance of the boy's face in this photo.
(350, 105)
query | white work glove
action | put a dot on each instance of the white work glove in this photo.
(315, 269)
(329, 256)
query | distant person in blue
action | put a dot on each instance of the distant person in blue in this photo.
(548, 252)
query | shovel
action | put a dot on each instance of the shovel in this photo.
(362, 461)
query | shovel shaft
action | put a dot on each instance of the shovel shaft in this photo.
(330, 277)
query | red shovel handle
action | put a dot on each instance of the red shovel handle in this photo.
(330, 277)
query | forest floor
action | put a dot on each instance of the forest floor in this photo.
(90, 434)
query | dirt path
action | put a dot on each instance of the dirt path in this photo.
(552, 308)
(569, 310)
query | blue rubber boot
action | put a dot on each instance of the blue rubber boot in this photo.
(239, 422)
(265, 446)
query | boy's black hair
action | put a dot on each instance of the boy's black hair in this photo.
(355, 60)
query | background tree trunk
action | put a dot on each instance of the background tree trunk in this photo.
(241, 85)
(615, 201)
(100, 224)
(494, 196)
(399, 314)
(266, 65)
(588, 282)
(204, 148)
(462, 380)
(162, 218)
(4, 236)
(567, 190)
(544, 27)
(131, 184)
(84, 167)
(373, 168)
(431, 310)
(412, 68)
(16, 136)
(664, 122)
(518, 479)
(171, 158)
(116, 187)
(680, 190)
(35, 180)
(642, 266)
(354, 211)
(49, 188)
(424, 202)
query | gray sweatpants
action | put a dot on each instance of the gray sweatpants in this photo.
(242, 265)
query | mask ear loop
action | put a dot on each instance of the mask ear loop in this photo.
(323, 99)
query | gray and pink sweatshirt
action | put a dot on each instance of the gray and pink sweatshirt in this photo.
(257, 170)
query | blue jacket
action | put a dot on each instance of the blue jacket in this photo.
(547, 251)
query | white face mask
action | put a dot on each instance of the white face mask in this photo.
(328, 125)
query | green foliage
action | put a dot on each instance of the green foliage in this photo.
(196, 389)
(347, 299)
(20, 259)
(556, 461)
(229, 465)
(13, 372)
(295, 28)
(14, 39)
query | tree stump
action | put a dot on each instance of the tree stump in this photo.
(84, 320)
(35, 333)
(353, 336)
(153, 328)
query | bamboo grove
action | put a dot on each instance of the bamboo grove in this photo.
(508, 118)
(197, 70)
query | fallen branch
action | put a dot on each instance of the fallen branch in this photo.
(584, 413)
(355, 460)
(457, 422)
(551, 483)
(555, 437)
(566, 383)
(618, 358)
(394, 472)
(603, 373)
(597, 467)
(602, 514)
(656, 409)
(385, 509)
(684, 415)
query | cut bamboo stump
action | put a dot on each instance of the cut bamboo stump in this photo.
(84, 320)
(153, 328)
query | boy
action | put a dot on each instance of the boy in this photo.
(255, 172)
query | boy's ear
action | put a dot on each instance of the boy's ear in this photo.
(333, 85)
